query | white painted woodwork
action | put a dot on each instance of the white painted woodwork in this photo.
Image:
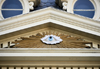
(96, 67)
(75, 67)
(82, 67)
(68, 67)
(39, 67)
(18, 67)
(3, 67)
(89, 67)
(53, 67)
(32, 67)
(46, 67)
(50, 15)
(60, 67)
(46, 16)
(11, 67)
(25, 67)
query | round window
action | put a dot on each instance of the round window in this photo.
(84, 8)
(11, 8)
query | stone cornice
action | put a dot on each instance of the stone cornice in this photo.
(52, 57)
(49, 15)
(49, 50)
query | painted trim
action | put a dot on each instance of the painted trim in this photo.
(95, 3)
(48, 15)
(50, 54)
(1, 3)
(48, 50)
(24, 3)
(97, 9)
(70, 5)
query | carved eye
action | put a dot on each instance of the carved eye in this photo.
(51, 39)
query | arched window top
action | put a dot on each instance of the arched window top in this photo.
(84, 8)
(12, 4)
(11, 8)
(83, 4)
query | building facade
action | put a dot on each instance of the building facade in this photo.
(49, 34)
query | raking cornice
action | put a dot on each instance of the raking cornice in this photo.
(48, 15)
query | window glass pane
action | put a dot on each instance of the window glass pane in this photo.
(89, 14)
(83, 4)
(10, 13)
(12, 4)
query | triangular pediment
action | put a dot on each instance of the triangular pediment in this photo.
(49, 18)
(67, 41)
(49, 15)
(31, 37)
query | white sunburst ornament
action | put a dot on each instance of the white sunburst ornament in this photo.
(51, 39)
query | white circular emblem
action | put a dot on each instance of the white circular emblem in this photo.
(51, 39)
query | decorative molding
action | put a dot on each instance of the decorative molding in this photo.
(25, 6)
(47, 57)
(64, 4)
(96, 5)
(36, 2)
(49, 50)
(69, 7)
(34, 41)
(1, 3)
(31, 4)
(50, 15)
(4, 39)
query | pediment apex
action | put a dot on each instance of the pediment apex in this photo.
(48, 11)
(48, 15)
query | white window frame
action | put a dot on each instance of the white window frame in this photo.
(24, 3)
(95, 3)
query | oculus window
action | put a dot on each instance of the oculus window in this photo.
(84, 8)
(11, 8)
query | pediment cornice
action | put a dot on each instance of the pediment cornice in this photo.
(49, 15)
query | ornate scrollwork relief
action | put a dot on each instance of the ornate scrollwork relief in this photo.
(64, 4)
(31, 4)
(34, 41)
